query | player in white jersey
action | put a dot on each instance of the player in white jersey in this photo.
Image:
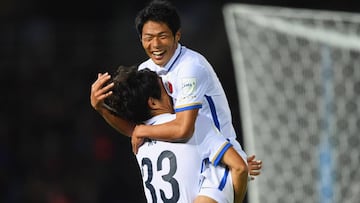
(188, 76)
(190, 79)
(192, 83)
(171, 170)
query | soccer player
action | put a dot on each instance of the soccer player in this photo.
(187, 76)
(171, 170)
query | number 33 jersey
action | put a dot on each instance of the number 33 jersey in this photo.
(171, 170)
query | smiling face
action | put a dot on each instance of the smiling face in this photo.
(158, 42)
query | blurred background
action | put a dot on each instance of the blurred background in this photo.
(54, 148)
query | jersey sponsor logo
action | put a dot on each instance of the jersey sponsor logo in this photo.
(188, 86)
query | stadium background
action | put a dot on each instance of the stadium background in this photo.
(54, 147)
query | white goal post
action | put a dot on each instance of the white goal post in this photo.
(298, 81)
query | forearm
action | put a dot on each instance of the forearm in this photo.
(239, 173)
(170, 131)
(120, 125)
(181, 128)
(239, 184)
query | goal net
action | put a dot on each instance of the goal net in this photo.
(298, 81)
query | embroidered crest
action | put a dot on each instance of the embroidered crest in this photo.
(169, 87)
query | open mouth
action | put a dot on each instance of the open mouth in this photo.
(158, 54)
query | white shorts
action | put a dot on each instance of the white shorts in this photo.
(217, 184)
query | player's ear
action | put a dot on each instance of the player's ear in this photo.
(152, 103)
(177, 36)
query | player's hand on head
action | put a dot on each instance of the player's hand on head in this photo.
(99, 92)
(254, 166)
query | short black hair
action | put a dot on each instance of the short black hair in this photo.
(131, 91)
(161, 11)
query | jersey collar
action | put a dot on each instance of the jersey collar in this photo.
(174, 58)
(159, 119)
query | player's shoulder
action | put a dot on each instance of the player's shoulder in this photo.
(192, 63)
(192, 54)
(191, 59)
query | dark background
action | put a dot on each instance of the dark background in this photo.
(54, 148)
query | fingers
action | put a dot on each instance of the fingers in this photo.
(136, 144)
(106, 89)
(104, 92)
(255, 170)
(252, 162)
(250, 158)
(254, 166)
(98, 91)
(254, 173)
(101, 80)
(134, 147)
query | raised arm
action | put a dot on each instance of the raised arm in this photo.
(100, 91)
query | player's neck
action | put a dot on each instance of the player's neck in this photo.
(156, 112)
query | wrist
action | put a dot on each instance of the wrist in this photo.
(139, 131)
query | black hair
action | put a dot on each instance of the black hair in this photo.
(131, 91)
(161, 11)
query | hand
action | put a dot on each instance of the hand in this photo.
(254, 166)
(136, 142)
(99, 92)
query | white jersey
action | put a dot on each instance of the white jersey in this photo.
(192, 83)
(171, 171)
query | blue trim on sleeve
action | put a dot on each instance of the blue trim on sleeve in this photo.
(213, 111)
(221, 154)
(223, 180)
(198, 106)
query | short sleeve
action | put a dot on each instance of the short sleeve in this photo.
(211, 143)
(192, 83)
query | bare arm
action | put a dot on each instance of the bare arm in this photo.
(122, 126)
(98, 93)
(182, 127)
(239, 173)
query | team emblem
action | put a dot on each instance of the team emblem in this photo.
(169, 87)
